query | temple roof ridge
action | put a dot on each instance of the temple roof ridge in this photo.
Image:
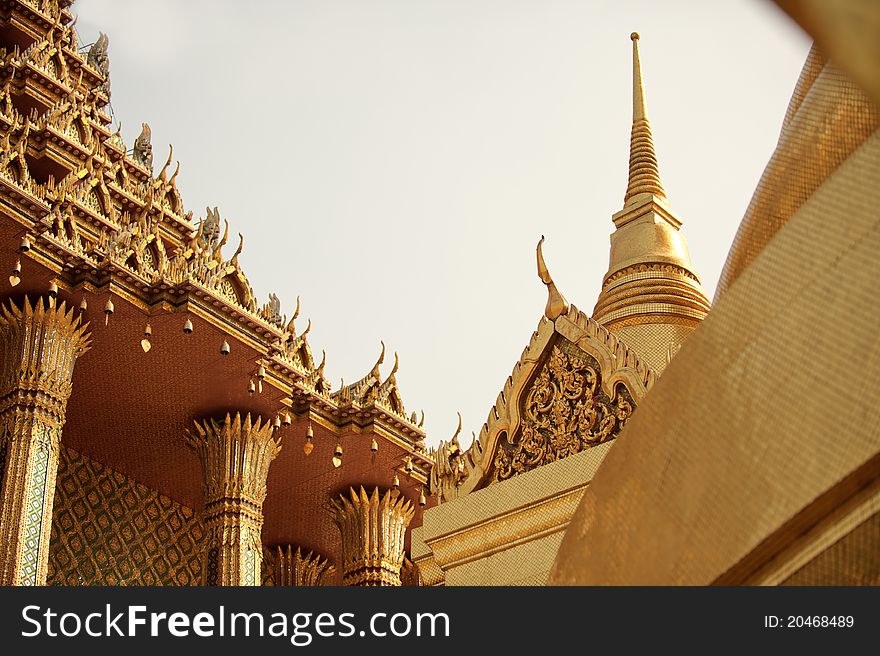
(372, 389)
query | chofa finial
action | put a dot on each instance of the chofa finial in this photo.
(379, 362)
(556, 303)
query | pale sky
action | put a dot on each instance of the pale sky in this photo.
(394, 162)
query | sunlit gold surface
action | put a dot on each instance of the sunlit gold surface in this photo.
(849, 29)
(755, 460)
(651, 283)
(507, 533)
(828, 118)
(739, 465)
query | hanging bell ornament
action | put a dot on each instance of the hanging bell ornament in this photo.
(83, 305)
(277, 423)
(25, 245)
(15, 278)
(286, 420)
(422, 500)
(309, 446)
(224, 348)
(187, 327)
(108, 310)
(251, 387)
(337, 455)
(409, 465)
(374, 445)
(395, 483)
(145, 342)
(53, 289)
(261, 375)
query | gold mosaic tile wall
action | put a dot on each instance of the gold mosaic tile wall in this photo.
(852, 560)
(110, 530)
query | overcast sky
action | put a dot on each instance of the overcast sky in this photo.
(395, 162)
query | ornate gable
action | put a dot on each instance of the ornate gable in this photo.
(575, 386)
(563, 410)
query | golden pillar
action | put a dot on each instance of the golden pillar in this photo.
(299, 568)
(373, 531)
(39, 345)
(235, 456)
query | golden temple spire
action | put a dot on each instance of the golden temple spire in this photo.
(639, 108)
(651, 296)
(644, 174)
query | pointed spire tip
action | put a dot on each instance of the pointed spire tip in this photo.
(644, 174)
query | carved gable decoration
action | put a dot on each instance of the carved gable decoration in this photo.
(575, 386)
(563, 411)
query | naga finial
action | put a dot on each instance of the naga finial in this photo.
(556, 303)
(234, 258)
(291, 325)
(381, 359)
(174, 175)
(162, 174)
(393, 370)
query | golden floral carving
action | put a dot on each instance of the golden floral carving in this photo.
(564, 412)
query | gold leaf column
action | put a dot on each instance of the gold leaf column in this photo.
(373, 531)
(235, 456)
(39, 345)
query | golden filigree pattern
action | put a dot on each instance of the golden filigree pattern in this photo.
(564, 411)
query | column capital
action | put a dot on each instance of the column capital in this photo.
(235, 454)
(373, 528)
(40, 343)
(295, 567)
